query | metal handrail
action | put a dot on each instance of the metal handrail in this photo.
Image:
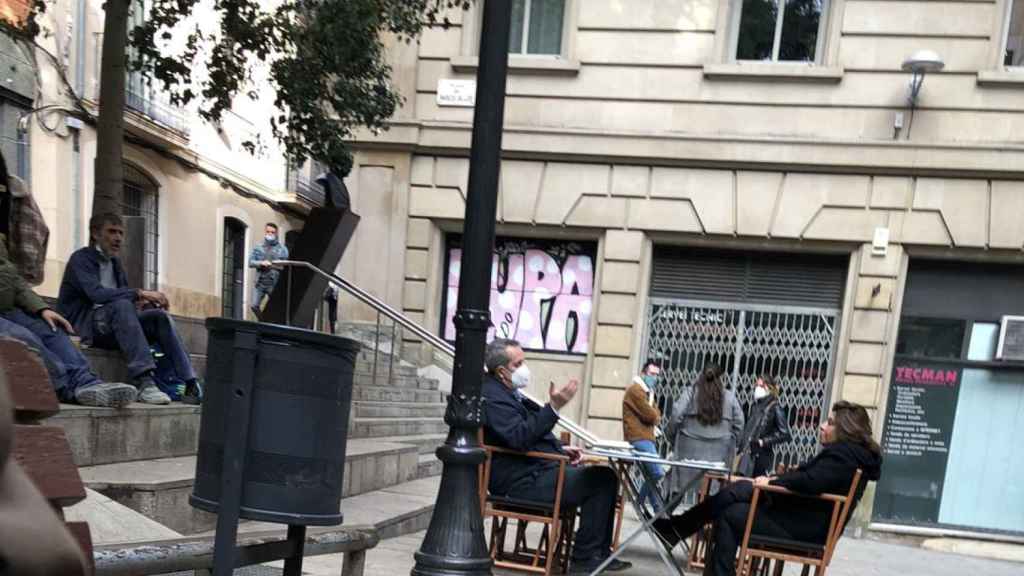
(420, 332)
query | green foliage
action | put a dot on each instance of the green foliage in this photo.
(327, 63)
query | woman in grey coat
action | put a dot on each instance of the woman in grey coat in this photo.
(706, 424)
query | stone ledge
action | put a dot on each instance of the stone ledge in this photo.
(518, 64)
(774, 72)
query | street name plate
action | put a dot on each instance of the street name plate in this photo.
(459, 93)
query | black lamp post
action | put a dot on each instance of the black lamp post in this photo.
(454, 544)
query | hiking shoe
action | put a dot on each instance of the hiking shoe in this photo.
(106, 395)
(150, 394)
(193, 394)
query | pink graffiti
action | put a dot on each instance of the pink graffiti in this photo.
(533, 299)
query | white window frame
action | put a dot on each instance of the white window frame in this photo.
(527, 6)
(473, 22)
(825, 51)
(1005, 37)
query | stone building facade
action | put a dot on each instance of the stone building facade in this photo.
(756, 187)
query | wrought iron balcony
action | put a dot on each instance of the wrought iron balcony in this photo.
(164, 114)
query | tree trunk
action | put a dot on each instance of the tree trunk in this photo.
(109, 178)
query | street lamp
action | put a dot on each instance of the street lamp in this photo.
(454, 544)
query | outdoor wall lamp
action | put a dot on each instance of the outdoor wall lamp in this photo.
(919, 64)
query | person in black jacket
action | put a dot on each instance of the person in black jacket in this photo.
(767, 427)
(847, 445)
(511, 421)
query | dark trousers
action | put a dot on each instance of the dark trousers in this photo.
(68, 369)
(728, 510)
(594, 490)
(119, 325)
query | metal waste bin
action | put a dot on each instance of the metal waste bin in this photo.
(293, 425)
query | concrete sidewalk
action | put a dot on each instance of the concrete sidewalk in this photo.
(863, 557)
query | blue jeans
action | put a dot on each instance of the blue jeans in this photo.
(258, 293)
(646, 493)
(119, 325)
(68, 369)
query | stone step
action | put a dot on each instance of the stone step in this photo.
(137, 432)
(429, 466)
(425, 443)
(395, 381)
(109, 364)
(160, 488)
(382, 427)
(394, 511)
(362, 393)
(363, 409)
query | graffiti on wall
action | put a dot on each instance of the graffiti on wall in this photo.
(541, 293)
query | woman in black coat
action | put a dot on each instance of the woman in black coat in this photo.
(767, 427)
(847, 445)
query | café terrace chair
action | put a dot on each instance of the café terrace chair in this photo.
(550, 554)
(758, 553)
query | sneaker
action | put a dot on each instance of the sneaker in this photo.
(150, 394)
(106, 395)
(588, 566)
(193, 394)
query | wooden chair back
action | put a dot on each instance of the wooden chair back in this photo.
(553, 548)
(41, 467)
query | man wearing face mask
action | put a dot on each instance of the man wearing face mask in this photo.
(512, 421)
(640, 419)
(262, 255)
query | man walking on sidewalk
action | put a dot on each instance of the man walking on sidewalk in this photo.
(262, 255)
(95, 297)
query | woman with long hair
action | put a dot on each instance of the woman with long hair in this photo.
(847, 446)
(767, 427)
(706, 424)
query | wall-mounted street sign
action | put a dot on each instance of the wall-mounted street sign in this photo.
(461, 93)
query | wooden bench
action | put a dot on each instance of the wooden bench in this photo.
(42, 452)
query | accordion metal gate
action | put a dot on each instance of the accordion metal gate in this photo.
(794, 344)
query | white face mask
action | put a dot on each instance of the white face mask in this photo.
(760, 393)
(521, 377)
(270, 238)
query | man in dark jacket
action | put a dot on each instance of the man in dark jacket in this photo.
(847, 446)
(95, 297)
(512, 421)
(26, 317)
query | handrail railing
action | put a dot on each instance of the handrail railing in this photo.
(419, 331)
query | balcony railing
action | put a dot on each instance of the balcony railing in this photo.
(300, 182)
(168, 116)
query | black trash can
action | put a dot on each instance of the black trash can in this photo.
(300, 400)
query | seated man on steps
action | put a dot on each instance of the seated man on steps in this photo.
(513, 422)
(95, 297)
(25, 316)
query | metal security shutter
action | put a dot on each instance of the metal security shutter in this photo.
(749, 277)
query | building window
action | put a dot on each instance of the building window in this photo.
(142, 199)
(537, 27)
(14, 142)
(780, 30)
(1014, 54)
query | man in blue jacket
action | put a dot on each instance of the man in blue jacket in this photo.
(95, 297)
(512, 421)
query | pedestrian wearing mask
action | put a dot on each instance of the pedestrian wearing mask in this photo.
(266, 273)
(766, 428)
(640, 419)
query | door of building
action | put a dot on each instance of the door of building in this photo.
(751, 314)
(233, 289)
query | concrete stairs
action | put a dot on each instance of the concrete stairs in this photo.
(143, 457)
